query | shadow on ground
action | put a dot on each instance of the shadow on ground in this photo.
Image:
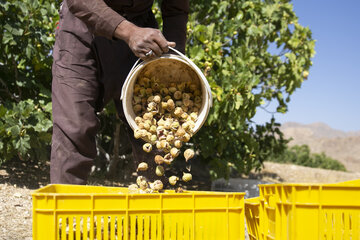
(25, 174)
(33, 175)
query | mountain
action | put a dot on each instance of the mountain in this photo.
(340, 145)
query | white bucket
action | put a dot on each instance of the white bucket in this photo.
(174, 68)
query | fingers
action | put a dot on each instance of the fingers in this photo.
(161, 42)
(171, 44)
(156, 49)
(146, 54)
(144, 40)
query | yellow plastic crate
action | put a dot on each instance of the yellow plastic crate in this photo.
(252, 207)
(349, 183)
(91, 212)
(309, 211)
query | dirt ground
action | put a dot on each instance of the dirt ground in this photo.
(17, 180)
(277, 173)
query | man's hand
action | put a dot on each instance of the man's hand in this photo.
(143, 40)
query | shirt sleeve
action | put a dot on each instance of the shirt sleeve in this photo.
(175, 17)
(97, 15)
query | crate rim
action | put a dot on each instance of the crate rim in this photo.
(254, 201)
(326, 185)
(39, 192)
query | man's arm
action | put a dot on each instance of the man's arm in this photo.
(175, 17)
(104, 21)
(99, 17)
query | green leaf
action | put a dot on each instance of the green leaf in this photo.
(23, 145)
(48, 107)
(197, 53)
(14, 130)
(7, 38)
(238, 102)
(3, 111)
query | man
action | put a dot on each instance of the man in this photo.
(97, 42)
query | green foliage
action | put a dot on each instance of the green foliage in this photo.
(300, 155)
(24, 128)
(252, 52)
(26, 37)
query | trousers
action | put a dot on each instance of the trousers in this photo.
(87, 73)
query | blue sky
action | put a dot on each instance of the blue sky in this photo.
(332, 92)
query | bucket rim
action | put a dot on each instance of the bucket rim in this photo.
(139, 67)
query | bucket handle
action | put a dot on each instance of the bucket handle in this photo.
(207, 86)
(135, 64)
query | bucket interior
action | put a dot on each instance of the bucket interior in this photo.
(166, 70)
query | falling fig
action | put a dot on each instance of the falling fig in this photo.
(143, 166)
(173, 180)
(159, 171)
(187, 177)
(147, 147)
(188, 154)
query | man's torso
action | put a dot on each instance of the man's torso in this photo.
(130, 7)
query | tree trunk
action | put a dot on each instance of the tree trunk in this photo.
(114, 160)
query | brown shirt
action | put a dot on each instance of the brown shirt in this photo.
(103, 16)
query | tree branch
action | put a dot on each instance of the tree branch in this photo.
(6, 89)
(16, 77)
(115, 158)
(101, 149)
